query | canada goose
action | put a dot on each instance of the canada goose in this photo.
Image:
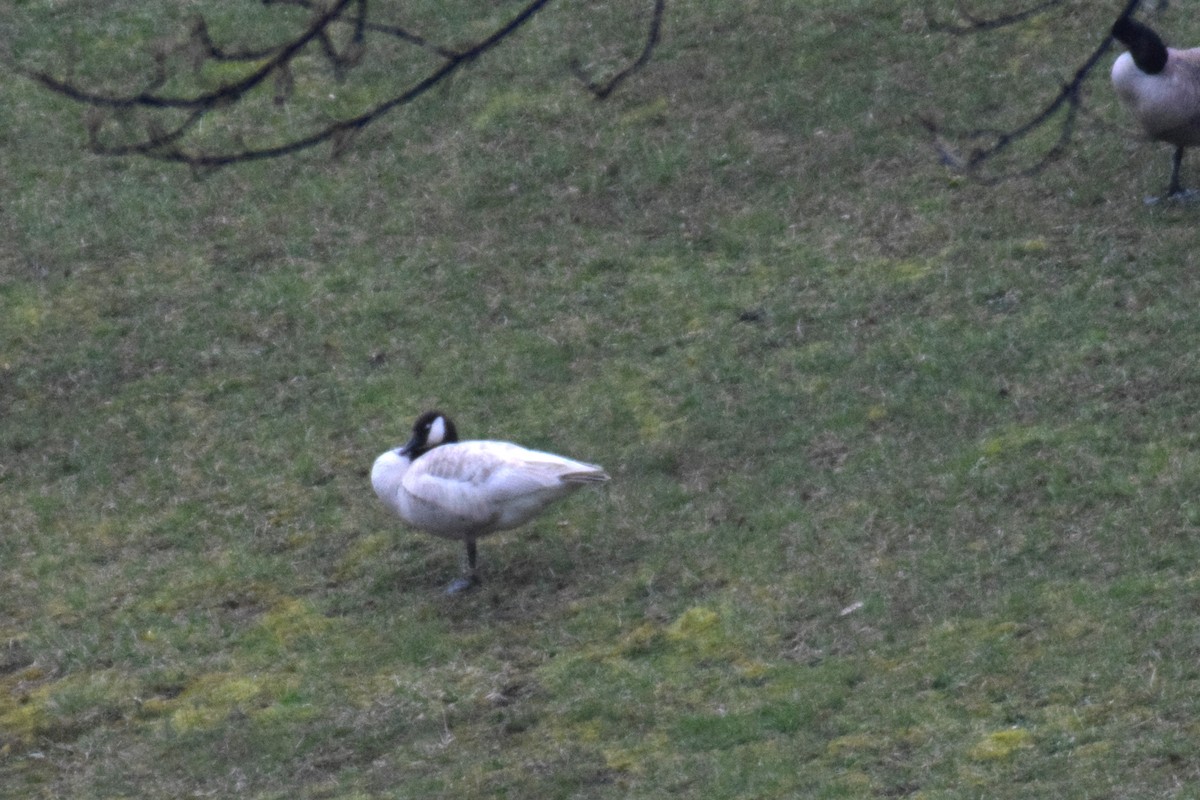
(465, 490)
(1161, 87)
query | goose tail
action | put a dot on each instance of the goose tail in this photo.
(595, 475)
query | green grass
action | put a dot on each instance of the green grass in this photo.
(904, 467)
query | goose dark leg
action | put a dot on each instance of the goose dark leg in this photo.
(1176, 188)
(470, 577)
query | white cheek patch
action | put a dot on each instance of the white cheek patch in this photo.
(437, 432)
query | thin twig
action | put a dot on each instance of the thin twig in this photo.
(653, 34)
(976, 24)
(395, 31)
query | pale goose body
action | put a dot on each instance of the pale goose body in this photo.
(1161, 88)
(466, 490)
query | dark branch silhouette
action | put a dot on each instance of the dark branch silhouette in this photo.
(653, 31)
(992, 143)
(970, 23)
(169, 134)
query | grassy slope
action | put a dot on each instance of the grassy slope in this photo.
(822, 372)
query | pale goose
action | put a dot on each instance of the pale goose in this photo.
(465, 490)
(1161, 88)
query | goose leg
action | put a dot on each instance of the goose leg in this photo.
(470, 578)
(1175, 187)
(1175, 190)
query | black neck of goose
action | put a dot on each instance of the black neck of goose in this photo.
(415, 448)
(1147, 47)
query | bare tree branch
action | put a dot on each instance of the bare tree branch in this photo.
(373, 27)
(995, 142)
(226, 93)
(653, 32)
(974, 24)
(169, 134)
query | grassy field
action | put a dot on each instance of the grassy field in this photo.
(905, 468)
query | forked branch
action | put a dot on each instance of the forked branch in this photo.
(338, 33)
(988, 144)
(653, 32)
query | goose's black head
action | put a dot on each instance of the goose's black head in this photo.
(431, 429)
(1147, 47)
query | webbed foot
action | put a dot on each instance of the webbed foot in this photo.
(1180, 196)
(462, 584)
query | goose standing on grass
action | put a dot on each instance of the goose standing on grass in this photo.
(1161, 87)
(465, 490)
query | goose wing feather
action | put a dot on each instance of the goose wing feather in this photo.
(1187, 86)
(488, 486)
